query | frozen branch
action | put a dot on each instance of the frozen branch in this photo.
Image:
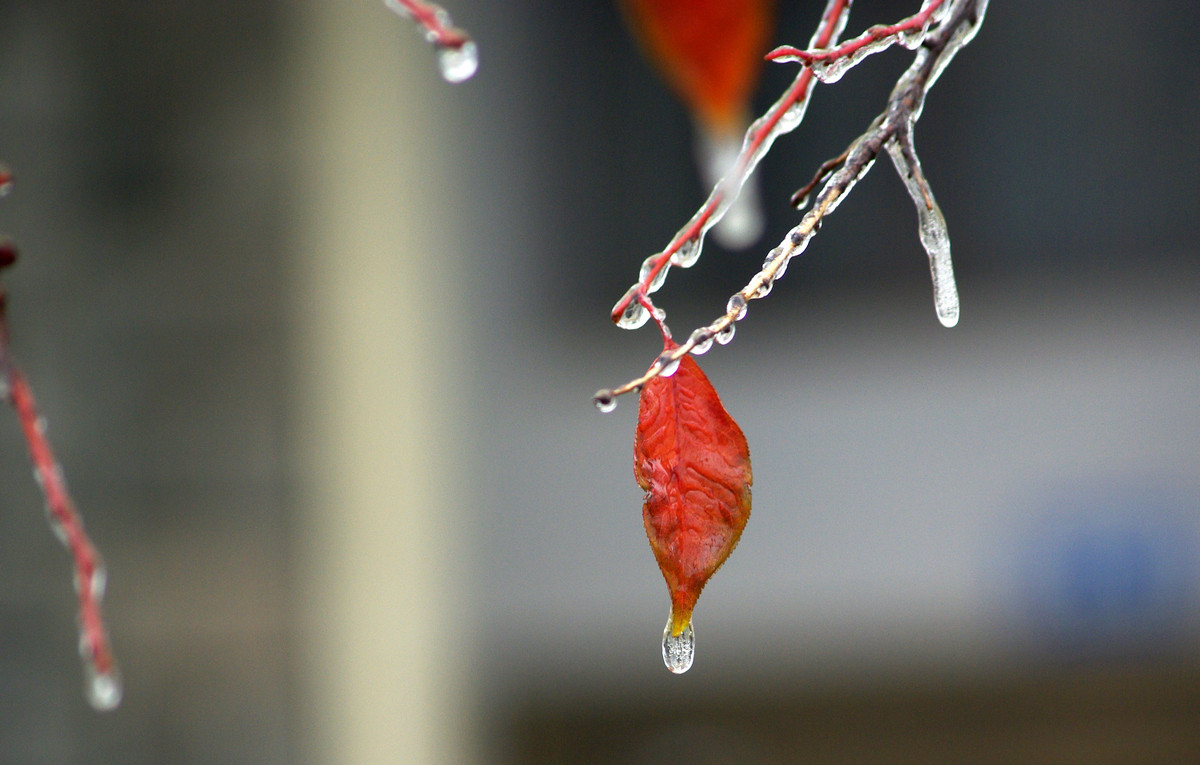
(941, 35)
(457, 55)
(784, 116)
(103, 678)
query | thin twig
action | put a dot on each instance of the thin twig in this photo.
(103, 679)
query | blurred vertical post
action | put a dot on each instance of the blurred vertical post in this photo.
(381, 637)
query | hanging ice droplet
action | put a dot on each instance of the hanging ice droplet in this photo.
(702, 341)
(104, 689)
(763, 290)
(736, 306)
(604, 400)
(687, 254)
(458, 64)
(635, 315)
(669, 366)
(725, 335)
(679, 650)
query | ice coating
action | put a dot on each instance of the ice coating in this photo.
(935, 238)
(679, 651)
(457, 54)
(458, 64)
(784, 116)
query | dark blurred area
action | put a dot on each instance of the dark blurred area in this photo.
(354, 499)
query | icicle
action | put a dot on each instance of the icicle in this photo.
(934, 235)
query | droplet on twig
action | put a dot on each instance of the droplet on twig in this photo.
(104, 689)
(605, 400)
(458, 64)
(634, 315)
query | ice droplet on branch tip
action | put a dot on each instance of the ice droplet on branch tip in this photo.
(458, 64)
(103, 689)
(604, 400)
(678, 651)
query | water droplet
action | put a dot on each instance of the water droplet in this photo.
(679, 650)
(701, 341)
(635, 315)
(725, 335)
(458, 64)
(687, 254)
(736, 306)
(604, 400)
(669, 366)
(104, 689)
(6, 180)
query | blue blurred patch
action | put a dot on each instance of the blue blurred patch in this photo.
(1110, 569)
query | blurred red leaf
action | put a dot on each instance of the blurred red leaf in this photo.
(692, 460)
(710, 51)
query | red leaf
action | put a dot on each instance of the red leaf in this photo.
(692, 460)
(710, 51)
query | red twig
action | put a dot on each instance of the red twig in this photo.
(849, 48)
(433, 20)
(103, 682)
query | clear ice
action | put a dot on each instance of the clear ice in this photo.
(458, 64)
(934, 235)
(679, 650)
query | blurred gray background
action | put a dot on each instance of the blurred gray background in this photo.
(315, 334)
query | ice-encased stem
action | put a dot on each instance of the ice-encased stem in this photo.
(935, 237)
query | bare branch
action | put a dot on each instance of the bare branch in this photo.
(891, 130)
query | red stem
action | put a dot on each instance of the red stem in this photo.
(871, 35)
(427, 16)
